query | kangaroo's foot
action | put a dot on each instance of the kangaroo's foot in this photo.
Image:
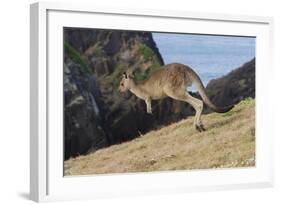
(200, 127)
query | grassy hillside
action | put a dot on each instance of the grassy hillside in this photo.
(228, 142)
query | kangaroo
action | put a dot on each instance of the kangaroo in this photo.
(171, 80)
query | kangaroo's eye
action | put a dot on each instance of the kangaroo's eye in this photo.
(122, 84)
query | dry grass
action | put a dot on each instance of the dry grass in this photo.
(228, 142)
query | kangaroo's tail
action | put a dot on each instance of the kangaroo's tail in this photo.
(202, 91)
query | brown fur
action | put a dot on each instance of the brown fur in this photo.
(172, 81)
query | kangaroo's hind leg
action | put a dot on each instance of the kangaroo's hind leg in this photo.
(183, 95)
(198, 106)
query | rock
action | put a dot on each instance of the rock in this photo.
(80, 39)
(233, 87)
(83, 129)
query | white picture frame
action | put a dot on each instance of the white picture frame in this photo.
(46, 156)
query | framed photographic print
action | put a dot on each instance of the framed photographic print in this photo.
(127, 102)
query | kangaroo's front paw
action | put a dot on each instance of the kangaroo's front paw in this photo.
(149, 111)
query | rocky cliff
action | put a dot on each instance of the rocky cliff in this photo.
(96, 113)
(233, 87)
(83, 129)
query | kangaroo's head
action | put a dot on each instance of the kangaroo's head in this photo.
(126, 82)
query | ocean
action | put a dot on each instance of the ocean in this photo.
(211, 56)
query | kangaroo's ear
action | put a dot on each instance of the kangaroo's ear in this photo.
(125, 75)
(130, 73)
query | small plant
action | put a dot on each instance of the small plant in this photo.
(146, 52)
(76, 57)
(140, 75)
(98, 52)
(247, 101)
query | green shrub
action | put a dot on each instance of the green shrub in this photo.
(98, 52)
(76, 57)
(247, 101)
(146, 52)
(140, 75)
